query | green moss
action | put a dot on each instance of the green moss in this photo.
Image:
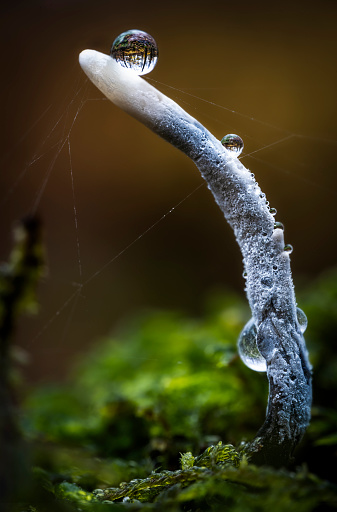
(72, 492)
(166, 387)
(234, 485)
(157, 386)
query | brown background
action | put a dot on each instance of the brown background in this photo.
(274, 62)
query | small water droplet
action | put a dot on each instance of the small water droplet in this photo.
(278, 225)
(244, 275)
(248, 351)
(135, 50)
(302, 319)
(233, 143)
(273, 211)
(288, 248)
(267, 281)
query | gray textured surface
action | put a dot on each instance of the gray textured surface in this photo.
(269, 285)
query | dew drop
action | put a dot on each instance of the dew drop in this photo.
(233, 143)
(135, 50)
(288, 248)
(273, 211)
(278, 225)
(302, 319)
(267, 281)
(244, 275)
(247, 348)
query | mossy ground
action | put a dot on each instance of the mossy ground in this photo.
(157, 415)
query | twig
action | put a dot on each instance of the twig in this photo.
(18, 280)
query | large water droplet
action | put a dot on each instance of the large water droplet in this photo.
(248, 350)
(302, 319)
(233, 143)
(135, 50)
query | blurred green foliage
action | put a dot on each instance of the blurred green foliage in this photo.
(162, 385)
(163, 388)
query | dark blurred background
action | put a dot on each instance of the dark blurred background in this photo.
(266, 71)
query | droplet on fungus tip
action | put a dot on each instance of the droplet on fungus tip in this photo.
(233, 143)
(273, 211)
(302, 319)
(247, 348)
(135, 50)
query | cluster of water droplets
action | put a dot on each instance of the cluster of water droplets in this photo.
(247, 346)
(278, 225)
(233, 143)
(135, 50)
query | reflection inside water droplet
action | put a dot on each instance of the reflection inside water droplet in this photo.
(233, 143)
(248, 351)
(135, 50)
(288, 248)
(278, 225)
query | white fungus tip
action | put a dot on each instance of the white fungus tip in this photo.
(93, 62)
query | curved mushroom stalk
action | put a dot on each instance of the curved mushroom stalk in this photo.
(269, 285)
